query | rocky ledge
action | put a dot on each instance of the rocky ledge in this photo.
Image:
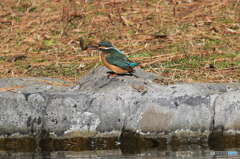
(101, 107)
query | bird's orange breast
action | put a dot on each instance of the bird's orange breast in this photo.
(112, 67)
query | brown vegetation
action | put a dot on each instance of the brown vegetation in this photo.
(184, 42)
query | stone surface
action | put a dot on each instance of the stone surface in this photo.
(227, 112)
(109, 107)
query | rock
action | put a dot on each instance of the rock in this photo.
(98, 81)
(227, 113)
(113, 107)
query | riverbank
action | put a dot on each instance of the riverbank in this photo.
(117, 107)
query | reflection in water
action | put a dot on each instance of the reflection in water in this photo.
(114, 153)
(111, 148)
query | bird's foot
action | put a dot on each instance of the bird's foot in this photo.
(113, 75)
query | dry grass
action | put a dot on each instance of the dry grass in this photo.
(184, 42)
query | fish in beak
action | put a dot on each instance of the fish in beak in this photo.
(92, 48)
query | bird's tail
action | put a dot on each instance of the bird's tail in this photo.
(133, 64)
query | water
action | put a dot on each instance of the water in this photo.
(79, 148)
(115, 153)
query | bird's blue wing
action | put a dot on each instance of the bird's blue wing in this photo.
(115, 57)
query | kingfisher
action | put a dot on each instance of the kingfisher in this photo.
(114, 59)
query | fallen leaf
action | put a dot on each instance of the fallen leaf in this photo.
(10, 88)
(50, 82)
(29, 40)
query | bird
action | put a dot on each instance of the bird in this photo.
(114, 59)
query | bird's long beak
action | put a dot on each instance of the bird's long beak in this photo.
(92, 48)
